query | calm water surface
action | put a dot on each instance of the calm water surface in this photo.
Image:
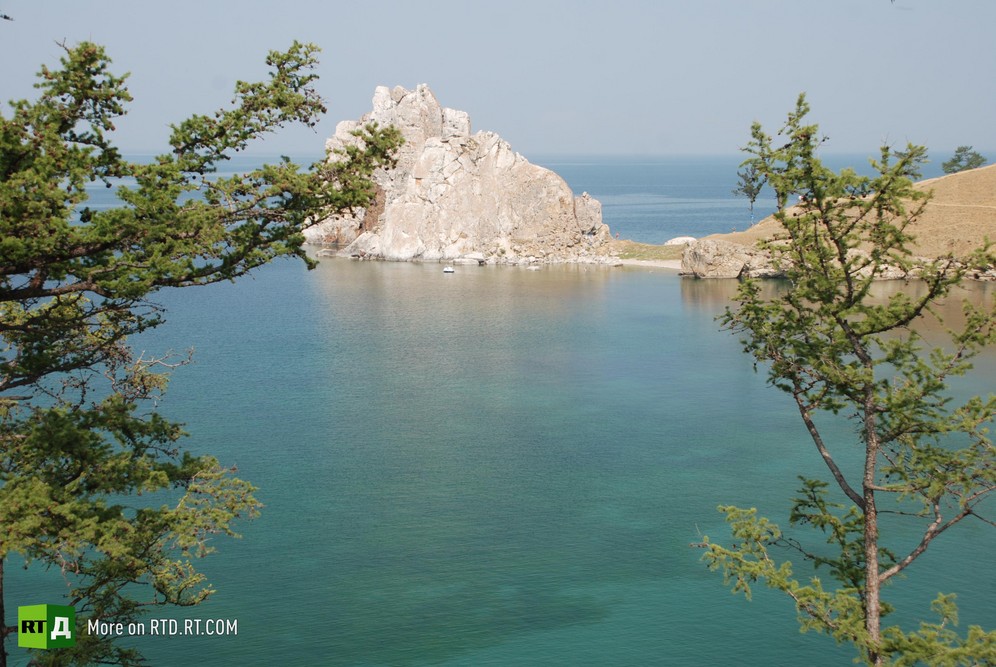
(495, 467)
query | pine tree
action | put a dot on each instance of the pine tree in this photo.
(80, 437)
(749, 184)
(964, 158)
(841, 352)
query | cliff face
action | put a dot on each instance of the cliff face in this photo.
(460, 196)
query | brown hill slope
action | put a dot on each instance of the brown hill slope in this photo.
(959, 216)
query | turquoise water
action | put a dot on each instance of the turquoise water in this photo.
(494, 467)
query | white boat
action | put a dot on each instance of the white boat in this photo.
(448, 269)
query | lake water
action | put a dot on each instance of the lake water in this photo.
(503, 466)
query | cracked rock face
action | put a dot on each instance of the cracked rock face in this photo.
(458, 196)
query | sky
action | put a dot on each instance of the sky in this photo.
(553, 77)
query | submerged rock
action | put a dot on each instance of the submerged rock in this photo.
(460, 196)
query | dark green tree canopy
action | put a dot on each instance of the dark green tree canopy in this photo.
(79, 435)
(963, 158)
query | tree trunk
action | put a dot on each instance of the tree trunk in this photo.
(873, 605)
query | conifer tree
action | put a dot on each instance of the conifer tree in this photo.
(964, 158)
(749, 184)
(841, 351)
(79, 434)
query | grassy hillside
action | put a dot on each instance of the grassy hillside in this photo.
(960, 215)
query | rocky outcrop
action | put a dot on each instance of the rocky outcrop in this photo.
(716, 258)
(709, 258)
(458, 196)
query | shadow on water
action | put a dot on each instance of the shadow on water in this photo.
(722, 293)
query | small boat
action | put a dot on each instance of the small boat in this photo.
(448, 269)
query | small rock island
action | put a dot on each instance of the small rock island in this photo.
(460, 197)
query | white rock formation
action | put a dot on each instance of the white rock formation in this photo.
(712, 258)
(458, 196)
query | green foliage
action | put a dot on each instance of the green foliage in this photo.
(80, 439)
(839, 349)
(963, 158)
(749, 184)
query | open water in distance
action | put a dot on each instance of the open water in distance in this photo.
(653, 199)
(501, 466)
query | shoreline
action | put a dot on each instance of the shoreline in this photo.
(669, 264)
(330, 252)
